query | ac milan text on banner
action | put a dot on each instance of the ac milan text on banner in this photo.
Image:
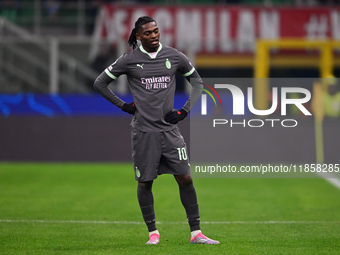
(220, 29)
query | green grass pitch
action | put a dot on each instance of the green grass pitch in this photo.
(78, 208)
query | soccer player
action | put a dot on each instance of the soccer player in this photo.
(157, 144)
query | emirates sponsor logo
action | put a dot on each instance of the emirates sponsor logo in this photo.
(156, 82)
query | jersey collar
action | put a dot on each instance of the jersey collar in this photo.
(144, 51)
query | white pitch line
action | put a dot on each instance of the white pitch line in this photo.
(268, 222)
(142, 223)
(75, 221)
(331, 178)
(335, 182)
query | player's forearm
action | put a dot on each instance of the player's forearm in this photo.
(196, 90)
(101, 84)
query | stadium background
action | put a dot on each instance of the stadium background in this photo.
(51, 52)
(53, 126)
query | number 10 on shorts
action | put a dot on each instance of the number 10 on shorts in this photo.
(182, 154)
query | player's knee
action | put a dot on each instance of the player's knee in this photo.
(145, 185)
(184, 179)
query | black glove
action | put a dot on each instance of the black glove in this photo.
(175, 115)
(129, 108)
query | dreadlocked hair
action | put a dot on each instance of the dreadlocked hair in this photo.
(140, 22)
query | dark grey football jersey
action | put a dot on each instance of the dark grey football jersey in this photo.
(151, 79)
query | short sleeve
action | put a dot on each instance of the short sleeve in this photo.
(118, 67)
(185, 67)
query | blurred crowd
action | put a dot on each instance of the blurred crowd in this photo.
(12, 8)
(23, 11)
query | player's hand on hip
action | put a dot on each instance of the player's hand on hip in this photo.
(129, 108)
(175, 116)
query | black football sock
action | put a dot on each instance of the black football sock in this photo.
(145, 199)
(189, 201)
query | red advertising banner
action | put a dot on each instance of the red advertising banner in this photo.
(220, 29)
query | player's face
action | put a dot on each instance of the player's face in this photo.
(148, 35)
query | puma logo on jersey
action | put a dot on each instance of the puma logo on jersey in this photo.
(141, 66)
